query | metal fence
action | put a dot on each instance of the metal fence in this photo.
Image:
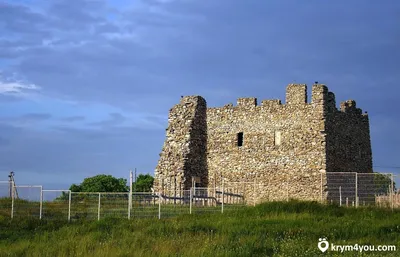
(361, 189)
(35, 202)
(344, 189)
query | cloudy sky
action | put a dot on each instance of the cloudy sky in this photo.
(86, 86)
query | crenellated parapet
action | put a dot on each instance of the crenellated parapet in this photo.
(296, 94)
(274, 103)
(331, 102)
(319, 94)
(349, 106)
(322, 100)
(248, 102)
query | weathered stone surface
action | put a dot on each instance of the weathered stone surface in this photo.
(184, 151)
(285, 146)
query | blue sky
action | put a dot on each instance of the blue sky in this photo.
(86, 86)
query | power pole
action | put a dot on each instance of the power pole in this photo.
(10, 185)
(135, 179)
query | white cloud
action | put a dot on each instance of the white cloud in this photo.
(15, 87)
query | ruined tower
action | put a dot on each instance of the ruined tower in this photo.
(271, 143)
(184, 154)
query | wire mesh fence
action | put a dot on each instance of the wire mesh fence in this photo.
(361, 189)
(85, 205)
(29, 202)
(234, 195)
(114, 205)
(205, 200)
(5, 198)
(145, 205)
(5, 190)
(344, 189)
(56, 204)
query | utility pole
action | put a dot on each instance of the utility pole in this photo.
(10, 185)
(135, 180)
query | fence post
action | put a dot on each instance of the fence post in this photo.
(392, 192)
(356, 200)
(321, 190)
(98, 209)
(41, 202)
(254, 192)
(12, 201)
(340, 195)
(244, 193)
(159, 205)
(208, 196)
(69, 205)
(194, 191)
(223, 196)
(215, 191)
(287, 191)
(190, 200)
(130, 194)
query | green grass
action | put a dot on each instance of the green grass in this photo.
(270, 229)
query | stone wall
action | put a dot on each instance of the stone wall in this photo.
(348, 140)
(348, 150)
(283, 147)
(184, 152)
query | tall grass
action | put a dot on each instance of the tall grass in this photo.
(270, 229)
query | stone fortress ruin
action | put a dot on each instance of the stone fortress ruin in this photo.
(290, 148)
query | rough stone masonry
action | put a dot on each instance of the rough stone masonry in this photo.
(289, 148)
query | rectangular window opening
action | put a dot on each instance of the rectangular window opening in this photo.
(277, 138)
(240, 139)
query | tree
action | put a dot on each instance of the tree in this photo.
(101, 183)
(98, 183)
(383, 183)
(144, 183)
(75, 188)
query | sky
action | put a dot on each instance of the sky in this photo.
(86, 86)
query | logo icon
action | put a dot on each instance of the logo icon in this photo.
(323, 245)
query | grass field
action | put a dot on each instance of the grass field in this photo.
(270, 229)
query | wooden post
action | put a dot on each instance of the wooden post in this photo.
(287, 191)
(215, 191)
(392, 192)
(190, 200)
(130, 194)
(356, 190)
(12, 201)
(159, 205)
(98, 209)
(69, 205)
(174, 192)
(244, 192)
(41, 202)
(223, 196)
(322, 198)
(135, 181)
(254, 192)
